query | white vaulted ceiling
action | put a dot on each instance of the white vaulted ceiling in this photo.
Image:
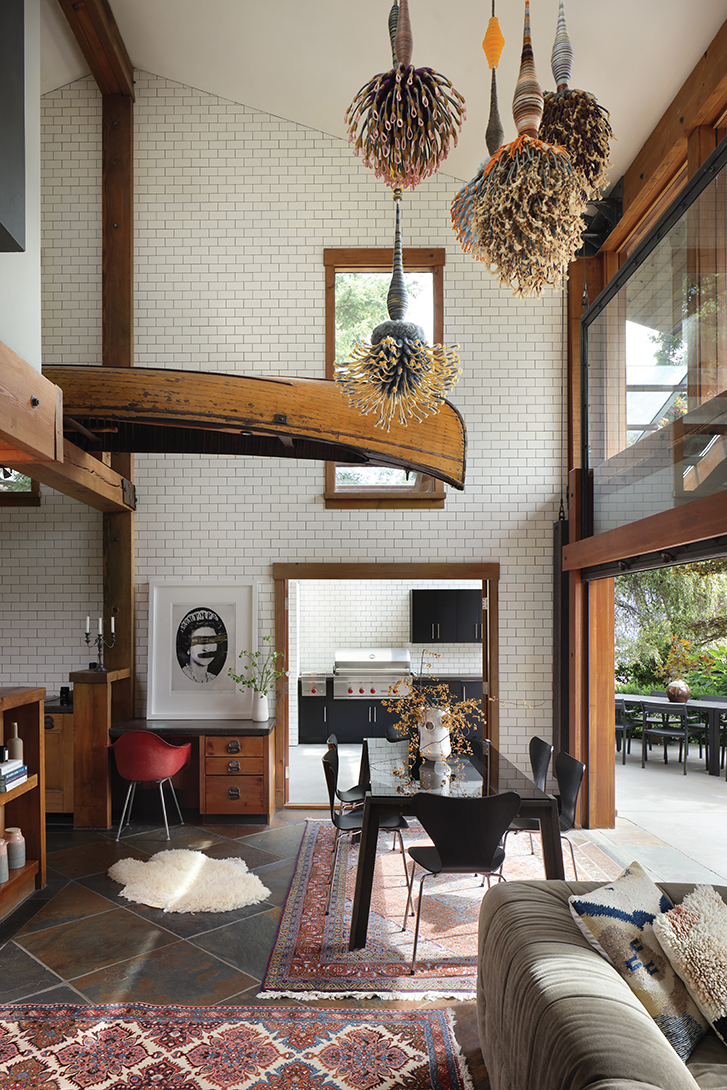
(305, 59)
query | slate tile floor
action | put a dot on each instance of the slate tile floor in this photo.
(77, 941)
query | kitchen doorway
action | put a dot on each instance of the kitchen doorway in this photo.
(284, 574)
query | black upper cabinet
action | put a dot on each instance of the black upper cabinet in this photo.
(446, 616)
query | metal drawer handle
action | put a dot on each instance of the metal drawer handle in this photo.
(48, 722)
(233, 766)
(233, 793)
(233, 746)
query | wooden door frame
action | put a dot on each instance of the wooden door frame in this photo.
(489, 574)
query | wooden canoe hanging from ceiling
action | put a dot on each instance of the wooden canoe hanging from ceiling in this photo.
(139, 409)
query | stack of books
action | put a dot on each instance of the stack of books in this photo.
(12, 773)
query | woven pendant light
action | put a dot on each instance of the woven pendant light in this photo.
(575, 119)
(402, 120)
(527, 212)
(398, 375)
(463, 203)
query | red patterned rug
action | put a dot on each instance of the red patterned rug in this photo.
(311, 959)
(139, 1047)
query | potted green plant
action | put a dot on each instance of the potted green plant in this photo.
(259, 673)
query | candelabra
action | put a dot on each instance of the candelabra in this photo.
(99, 642)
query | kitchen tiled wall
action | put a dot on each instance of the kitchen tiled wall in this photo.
(233, 208)
(372, 613)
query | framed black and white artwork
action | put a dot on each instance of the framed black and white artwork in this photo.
(196, 632)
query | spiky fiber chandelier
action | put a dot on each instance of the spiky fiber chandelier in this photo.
(402, 121)
(575, 119)
(527, 213)
(398, 375)
(463, 204)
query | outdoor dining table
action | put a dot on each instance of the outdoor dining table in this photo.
(712, 710)
(393, 787)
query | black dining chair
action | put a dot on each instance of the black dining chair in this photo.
(350, 797)
(569, 774)
(540, 754)
(465, 835)
(350, 822)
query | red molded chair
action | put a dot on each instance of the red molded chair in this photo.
(144, 757)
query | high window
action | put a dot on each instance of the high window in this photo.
(357, 282)
(17, 490)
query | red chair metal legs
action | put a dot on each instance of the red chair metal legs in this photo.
(144, 757)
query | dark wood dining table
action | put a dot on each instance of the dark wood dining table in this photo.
(486, 772)
(710, 709)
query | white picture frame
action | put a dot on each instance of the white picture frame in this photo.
(197, 629)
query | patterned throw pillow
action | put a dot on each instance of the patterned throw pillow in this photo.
(617, 920)
(694, 938)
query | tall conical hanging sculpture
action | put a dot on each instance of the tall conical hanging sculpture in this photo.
(402, 120)
(398, 375)
(527, 213)
(575, 119)
(463, 204)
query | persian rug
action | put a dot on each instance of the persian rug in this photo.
(135, 1046)
(311, 959)
(186, 881)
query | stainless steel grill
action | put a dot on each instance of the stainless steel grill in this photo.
(360, 673)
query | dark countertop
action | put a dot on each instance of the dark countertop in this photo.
(435, 677)
(53, 706)
(194, 726)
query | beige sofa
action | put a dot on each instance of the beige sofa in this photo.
(554, 1015)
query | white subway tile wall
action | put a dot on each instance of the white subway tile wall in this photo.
(233, 208)
(373, 613)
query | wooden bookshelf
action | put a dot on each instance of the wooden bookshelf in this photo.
(24, 805)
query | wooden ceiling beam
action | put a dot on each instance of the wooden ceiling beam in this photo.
(702, 100)
(94, 27)
(31, 413)
(80, 476)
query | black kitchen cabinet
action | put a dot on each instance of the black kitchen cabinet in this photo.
(446, 616)
(354, 720)
(312, 720)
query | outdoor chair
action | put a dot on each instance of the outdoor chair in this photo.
(144, 757)
(629, 716)
(677, 725)
(350, 822)
(722, 727)
(569, 774)
(540, 754)
(465, 835)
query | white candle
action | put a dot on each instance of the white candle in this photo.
(100, 626)
(88, 624)
(113, 627)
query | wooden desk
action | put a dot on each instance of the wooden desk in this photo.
(233, 760)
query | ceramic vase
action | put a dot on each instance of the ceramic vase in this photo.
(434, 743)
(4, 872)
(678, 691)
(259, 707)
(15, 845)
(15, 744)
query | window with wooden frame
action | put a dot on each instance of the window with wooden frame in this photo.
(17, 490)
(357, 282)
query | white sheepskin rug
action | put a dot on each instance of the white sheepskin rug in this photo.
(184, 881)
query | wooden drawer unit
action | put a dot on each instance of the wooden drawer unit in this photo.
(235, 795)
(58, 730)
(236, 775)
(218, 745)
